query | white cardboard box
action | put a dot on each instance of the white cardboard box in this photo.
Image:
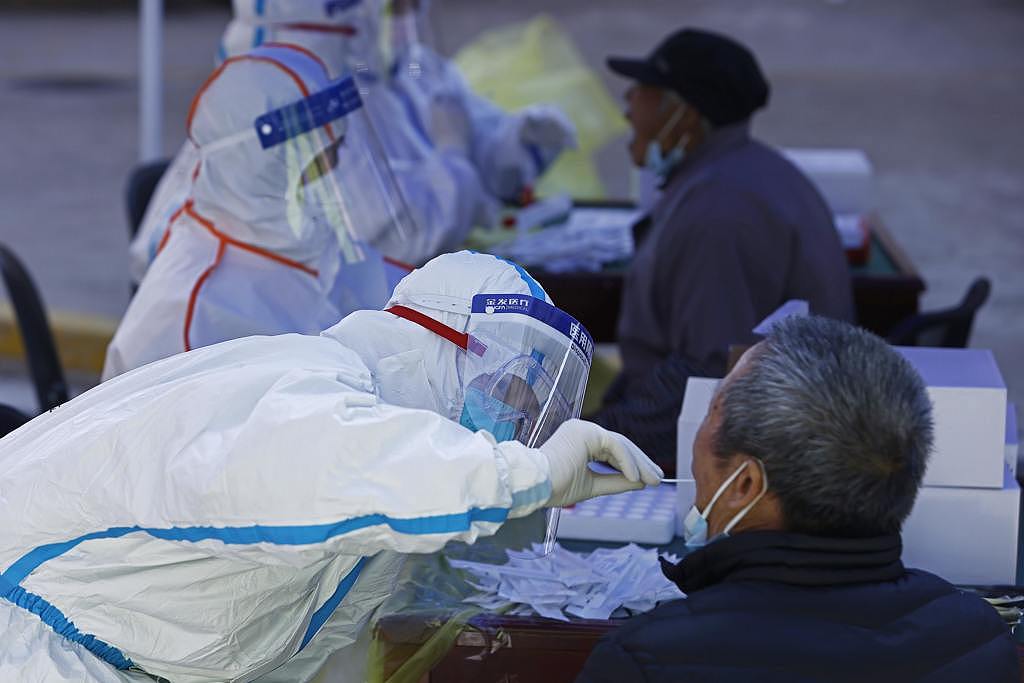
(696, 401)
(844, 177)
(965, 535)
(969, 408)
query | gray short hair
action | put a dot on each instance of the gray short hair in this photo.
(841, 421)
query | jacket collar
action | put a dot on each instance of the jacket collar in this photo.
(789, 558)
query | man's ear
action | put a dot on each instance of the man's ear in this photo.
(748, 484)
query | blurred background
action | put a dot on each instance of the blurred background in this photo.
(929, 89)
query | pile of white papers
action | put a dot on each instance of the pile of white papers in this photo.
(609, 582)
(590, 239)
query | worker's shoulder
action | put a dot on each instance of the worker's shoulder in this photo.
(266, 356)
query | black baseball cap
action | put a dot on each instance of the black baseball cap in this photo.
(717, 75)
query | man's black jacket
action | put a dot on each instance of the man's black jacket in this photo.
(770, 606)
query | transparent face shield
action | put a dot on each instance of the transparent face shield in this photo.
(338, 178)
(526, 370)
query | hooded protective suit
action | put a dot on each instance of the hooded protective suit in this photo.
(252, 250)
(238, 512)
(508, 151)
(439, 183)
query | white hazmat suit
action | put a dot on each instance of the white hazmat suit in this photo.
(439, 183)
(510, 151)
(253, 249)
(238, 512)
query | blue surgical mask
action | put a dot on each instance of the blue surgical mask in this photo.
(662, 164)
(695, 525)
(477, 413)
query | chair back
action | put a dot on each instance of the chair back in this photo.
(36, 336)
(950, 328)
(142, 182)
(10, 419)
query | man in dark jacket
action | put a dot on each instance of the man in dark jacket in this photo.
(806, 466)
(737, 232)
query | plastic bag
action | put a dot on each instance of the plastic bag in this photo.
(535, 62)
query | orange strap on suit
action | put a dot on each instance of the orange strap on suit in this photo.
(224, 241)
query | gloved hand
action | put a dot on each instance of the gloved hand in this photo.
(547, 127)
(450, 128)
(576, 443)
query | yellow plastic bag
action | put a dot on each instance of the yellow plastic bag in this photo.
(535, 61)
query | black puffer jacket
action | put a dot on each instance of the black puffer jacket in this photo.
(769, 606)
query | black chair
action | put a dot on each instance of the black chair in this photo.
(40, 349)
(11, 419)
(139, 190)
(950, 328)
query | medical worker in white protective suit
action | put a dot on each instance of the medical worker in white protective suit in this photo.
(238, 512)
(287, 194)
(454, 154)
(434, 173)
(509, 150)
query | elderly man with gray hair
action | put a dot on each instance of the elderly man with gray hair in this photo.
(806, 465)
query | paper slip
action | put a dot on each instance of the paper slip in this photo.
(608, 582)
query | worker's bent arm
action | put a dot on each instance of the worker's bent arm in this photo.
(342, 473)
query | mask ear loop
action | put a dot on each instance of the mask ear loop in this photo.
(722, 488)
(672, 121)
(743, 513)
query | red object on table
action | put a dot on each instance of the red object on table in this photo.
(860, 255)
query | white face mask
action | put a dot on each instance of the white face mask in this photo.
(662, 164)
(695, 526)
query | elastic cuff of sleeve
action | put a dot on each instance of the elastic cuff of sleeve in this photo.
(526, 471)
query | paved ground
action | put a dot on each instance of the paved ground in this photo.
(930, 88)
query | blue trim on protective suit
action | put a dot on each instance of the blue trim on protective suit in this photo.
(537, 494)
(279, 535)
(27, 563)
(536, 291)
(327, 609)
(257, 37)
(55, 619)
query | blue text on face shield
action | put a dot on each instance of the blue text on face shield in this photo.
(479, 411)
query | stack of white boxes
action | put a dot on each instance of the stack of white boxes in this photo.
(964, 524)
(844, 177)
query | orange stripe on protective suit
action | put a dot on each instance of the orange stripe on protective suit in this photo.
(398, 264)
(252, 58)
(460, 339)
(340, 29)
(223, 242)
(194, 294)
